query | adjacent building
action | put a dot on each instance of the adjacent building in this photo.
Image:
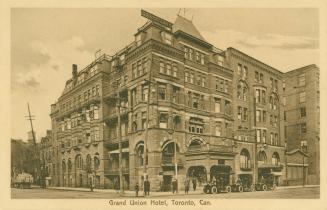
(302, 119)
(180, 108)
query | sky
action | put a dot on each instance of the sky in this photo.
(46, 42)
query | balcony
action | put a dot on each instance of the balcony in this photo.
(92, 100)
(170, 161)
(245, 166)
(212, 149)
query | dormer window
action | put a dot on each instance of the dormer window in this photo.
(166, 38)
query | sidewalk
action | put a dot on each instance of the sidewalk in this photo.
(127, 193)
(296, 186)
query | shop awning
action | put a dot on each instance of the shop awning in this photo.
(276, 173)
(124, 150)
(245, 172)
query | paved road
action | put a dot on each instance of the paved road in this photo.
(288, 193)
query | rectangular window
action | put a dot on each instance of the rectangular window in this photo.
(245, 114)
(185, 52)
(168, 69)
(145, 90)
(239, 113)
(217, 105)
(202, 59)
(218, 129)
(256, 76)
(301, 80)
(163, 120)
(303, 112)
(264, 116)
(203, 83)
(258, 115)
(276, 139)
(272, 138)
(175, 94)
(162, 92)
(187, 77)
(263, 97)
(303, 127)
(143, 120)
(257, 96)
(258, 131)
(197, 56)
(264, 135)
(239, 69)
(162, 67)
(190, 54)
(175, 71)
(139, 68)
(245, 71)
(134, 71)
(145, 65)
(302, 97)
(191, 78)
(95, 112)
(261, 78)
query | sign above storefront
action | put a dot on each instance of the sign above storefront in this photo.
(156, 19)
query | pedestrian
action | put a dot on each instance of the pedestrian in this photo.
(91, 183)
(146, 187)
(137, 189)
(194, 183)
(116, 185)
(174, 186)
(187, 185)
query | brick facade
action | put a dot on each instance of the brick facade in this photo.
(191, 90)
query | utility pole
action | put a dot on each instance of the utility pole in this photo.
(145, 153)
(255, 161)
(36, 157)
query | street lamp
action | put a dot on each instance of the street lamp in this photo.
(304, 150)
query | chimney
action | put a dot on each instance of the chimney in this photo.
(74, 70)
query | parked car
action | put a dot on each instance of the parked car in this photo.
(220, 181)
(23, 180)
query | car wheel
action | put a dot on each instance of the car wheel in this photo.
(264, 187)
(214, 190)
(228, 189)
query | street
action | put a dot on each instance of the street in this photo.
(281, 193)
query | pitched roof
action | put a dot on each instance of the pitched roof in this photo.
(187, 26)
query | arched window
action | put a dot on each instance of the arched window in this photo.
(168, 153)
(78, 162)
(140, 155)
(242, 91)
(69, 163)
(262, 157)
(134, 127)
(63, 166)
(96, 162)
(275, 160)
(88, 163)
(245, 162)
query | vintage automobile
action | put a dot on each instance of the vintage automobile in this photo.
(266, 182)
(243, 184)
(219, 180)
(23, 180)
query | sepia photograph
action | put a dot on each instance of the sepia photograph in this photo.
(164, 106)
